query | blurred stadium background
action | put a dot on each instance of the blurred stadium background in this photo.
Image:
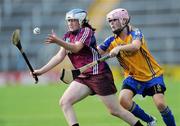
(158, 19)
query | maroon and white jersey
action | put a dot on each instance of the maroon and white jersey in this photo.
(88, 53)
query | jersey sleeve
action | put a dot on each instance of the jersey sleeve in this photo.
(106, 44)
(85, 36)
(137, 35)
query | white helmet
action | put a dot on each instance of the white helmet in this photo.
(76, 14)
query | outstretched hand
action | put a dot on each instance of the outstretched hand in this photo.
(52, 38)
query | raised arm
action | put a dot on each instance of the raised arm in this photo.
(73, 47)
(101, 52)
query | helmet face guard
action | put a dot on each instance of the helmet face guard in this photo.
(78, 14)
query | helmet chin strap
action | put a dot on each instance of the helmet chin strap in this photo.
(118, 31)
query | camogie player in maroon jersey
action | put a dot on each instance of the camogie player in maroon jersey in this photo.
(79, 43)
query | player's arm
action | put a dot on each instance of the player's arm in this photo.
(73, 47)
(104, 47)
(101, 52)
(58, 58)
(133, 47)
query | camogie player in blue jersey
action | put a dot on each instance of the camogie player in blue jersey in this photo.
(143, 75)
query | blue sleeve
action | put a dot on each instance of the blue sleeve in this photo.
(107, 42)
(137, 34)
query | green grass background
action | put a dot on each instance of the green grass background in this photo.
(37, 105)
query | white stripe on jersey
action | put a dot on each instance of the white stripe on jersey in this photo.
(95, 57)
(85, 35)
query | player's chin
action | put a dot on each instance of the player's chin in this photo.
(114, 29)
(71, 29)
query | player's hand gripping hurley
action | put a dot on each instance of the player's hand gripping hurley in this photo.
(16, 41)
(67, 76)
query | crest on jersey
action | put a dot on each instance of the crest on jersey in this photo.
(159, 88)
(138, 34)
(67, 40)
(138, 86)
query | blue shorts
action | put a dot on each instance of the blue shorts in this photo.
(151, 87)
